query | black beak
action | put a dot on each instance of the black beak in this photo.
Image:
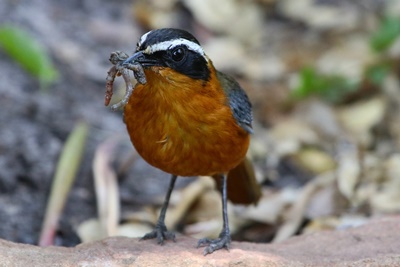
(141, 58)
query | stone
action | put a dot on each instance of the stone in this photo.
(376, 243)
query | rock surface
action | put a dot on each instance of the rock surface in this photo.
(374, 244)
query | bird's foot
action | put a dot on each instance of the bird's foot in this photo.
(212, 245)
(161, 233)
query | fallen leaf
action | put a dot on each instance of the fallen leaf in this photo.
(67, 167)
(242, 20)
(134, 229)
(106, 187)
(296, 213)
(324, 202)
(314, 160)
(387, 199)
(320, 16)
(270, 207)
(209, 229)
(187, 197)
(360, 117)
(90, 230)
(347, 58)
(348, 170)
(321, 224)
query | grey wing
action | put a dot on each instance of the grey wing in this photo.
(238, 101)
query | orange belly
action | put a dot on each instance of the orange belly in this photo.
(184, 131)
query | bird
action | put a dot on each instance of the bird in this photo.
(190, 119)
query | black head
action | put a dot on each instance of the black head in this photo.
(173, 48)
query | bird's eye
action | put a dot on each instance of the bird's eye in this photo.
(178, 54)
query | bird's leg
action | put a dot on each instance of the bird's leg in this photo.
(160, 231)
(224, 239)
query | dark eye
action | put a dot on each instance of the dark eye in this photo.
(178, 54)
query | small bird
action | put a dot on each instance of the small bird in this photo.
(189, 119)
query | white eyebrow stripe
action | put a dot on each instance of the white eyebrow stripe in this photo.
(143, 38)
(164, 46)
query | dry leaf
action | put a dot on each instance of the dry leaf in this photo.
(373, 167)
(289, 135)
(387, 199)
(351, 220)
(322, 203)
(209, 229)
(270, 207)
(349, 169)
(147, 215)
(205, 219)
(347, 58)
(187, 197)
(360, 117)
(106, 187)
(321, 224)
(134, 229)
(258, 145)
(320, 116)
(267, 68)
(67, 167)
(90, 230)
(207, 207)
(392, 8)
(320, 16)
(155, 14)
(314, 160)
(297, 211)
(242, 20)
(227, 54)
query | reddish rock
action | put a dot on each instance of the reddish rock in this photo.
(374, 244)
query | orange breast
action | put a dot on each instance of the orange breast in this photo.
(183, 127)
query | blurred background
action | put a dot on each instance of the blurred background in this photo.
(323, 77)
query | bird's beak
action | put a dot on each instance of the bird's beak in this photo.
(141, 58)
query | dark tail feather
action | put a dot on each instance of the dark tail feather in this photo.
(242, 184)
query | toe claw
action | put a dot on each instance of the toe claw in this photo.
(169, 236)
(150, 235)
(213, 245)
(160, 233)
(203, 241)
(207, 251)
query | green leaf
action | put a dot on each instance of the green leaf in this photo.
(32, 56)
(387, 33)
(377, 73)
(332, 88)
